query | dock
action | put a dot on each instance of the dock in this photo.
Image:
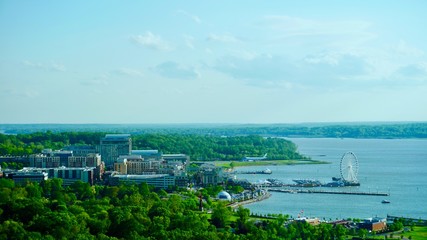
(328, 192)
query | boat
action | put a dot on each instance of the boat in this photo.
(334, 184)
(266, 171)
(307, 182)
(385, 201)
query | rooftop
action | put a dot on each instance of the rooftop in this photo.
(116, 136)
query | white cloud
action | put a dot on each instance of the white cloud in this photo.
(151, 41)
(174, 70)
(321, 70)
(405, 49)
(312, 35)
(195, 18)
(27, 93)
(189, 41)
(412, 73)
(261, 68)
(224, 38)
(292, 26)
(43, 66)
(128, 72)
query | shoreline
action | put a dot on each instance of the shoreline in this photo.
(249, 201)
(226, 164)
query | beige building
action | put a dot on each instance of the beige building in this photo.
(91, 160)
(136, 165)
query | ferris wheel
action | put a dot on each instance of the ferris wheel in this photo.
(349, 167)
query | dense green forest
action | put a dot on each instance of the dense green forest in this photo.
(81, 211)
(334, 130)
(198, 147)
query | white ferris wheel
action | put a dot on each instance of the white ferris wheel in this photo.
(349, 167)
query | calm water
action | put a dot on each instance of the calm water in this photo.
(398, 167)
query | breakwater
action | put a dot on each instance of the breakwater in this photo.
(328, 192)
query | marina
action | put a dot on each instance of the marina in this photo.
(392, 166)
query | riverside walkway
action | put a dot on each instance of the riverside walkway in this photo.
(328, 192)
(252, 200)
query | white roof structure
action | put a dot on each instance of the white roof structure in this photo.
(223, 195)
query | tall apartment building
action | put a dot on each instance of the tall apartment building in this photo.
(114, 145)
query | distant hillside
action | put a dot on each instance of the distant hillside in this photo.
(198, 147)
(328, 130)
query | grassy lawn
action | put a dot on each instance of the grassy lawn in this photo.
(418, 233)
(226, 164)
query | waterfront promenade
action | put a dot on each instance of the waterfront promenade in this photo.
(252, 200)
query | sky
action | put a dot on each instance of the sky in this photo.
(212, 61)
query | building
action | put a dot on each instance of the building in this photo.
(22, 177)
(224, 196)
(120, 165)
(209, 174)
(62, 154)
(176, 158)
(136, 165)
(157, 180)
(374, 224)
(81, 150)
(88, 160)
(114, 145)
(311, 221)
(44, 161)
(148, 154)
(68, 175)
(56, 159)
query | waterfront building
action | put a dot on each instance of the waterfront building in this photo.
(209, 174)
(224, 196)
(114, 145)
(373, 224)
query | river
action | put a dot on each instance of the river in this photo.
(394, 166)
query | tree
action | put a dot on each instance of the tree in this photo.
(82, 190)
(232, 165)
(221, 215)
(363, 233)
(243, 216)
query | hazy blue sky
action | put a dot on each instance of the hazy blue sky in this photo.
(212, 61)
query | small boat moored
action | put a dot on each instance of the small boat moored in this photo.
(385, 201)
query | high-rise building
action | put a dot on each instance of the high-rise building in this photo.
(114, 145)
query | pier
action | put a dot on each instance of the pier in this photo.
(328, 192)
